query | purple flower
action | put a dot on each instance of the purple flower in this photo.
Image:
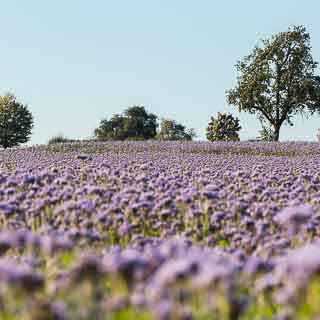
(294, 217)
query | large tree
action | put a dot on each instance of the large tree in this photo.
(16, 122)
(172, 130)
(134, 123)
(277, 81)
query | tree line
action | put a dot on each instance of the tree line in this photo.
(275, 82)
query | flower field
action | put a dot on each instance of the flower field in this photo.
(160, 230)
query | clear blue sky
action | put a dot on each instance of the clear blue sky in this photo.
(77, 61)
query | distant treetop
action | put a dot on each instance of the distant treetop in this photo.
(172, 130)
(134, 124)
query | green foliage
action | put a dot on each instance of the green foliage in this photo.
(60, 138)
(112, 129)
(16, 122)
(266, 134)
(172, 130)
(223, 128)
(277, 81)
(135, 124)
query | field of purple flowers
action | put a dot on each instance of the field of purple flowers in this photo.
(160, 230)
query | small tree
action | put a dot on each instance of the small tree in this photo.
(172, 130)
(135, 124)
(277, 81)
(224, 127)
(266, 134)
(16, 122)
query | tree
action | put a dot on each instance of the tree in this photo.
(277, 81)
(172, 130)
(139, 123)
(224, 127)
(112, 129)
(135, 124)
(16, 122)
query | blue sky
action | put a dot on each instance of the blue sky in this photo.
(77, 61)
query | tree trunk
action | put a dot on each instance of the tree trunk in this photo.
(276, 132)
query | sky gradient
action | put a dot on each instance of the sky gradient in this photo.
(75, 62)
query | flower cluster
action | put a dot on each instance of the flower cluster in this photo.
(160, 230)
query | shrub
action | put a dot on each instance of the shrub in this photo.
(224, 127)
(266, 134)
(59, 139)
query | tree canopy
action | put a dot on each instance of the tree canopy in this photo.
(172, 130)
(16, 122)
(134, 123)
(277, 81)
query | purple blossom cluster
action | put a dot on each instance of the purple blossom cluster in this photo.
(291, 148)
(161, 230)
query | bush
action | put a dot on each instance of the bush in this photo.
(59, 139)
(266, 134)
(223, 128)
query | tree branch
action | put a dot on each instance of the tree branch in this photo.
(265, 114)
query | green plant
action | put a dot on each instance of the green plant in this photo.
(224, 127)
(134, 124)
(16, 122)
(278, 81)
(266, 134)
(60, 138)
(172, 130)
